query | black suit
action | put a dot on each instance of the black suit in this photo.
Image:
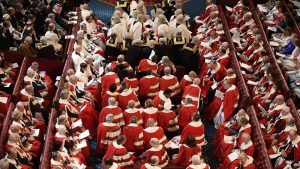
(134, 55)
(61, 22)
(6, 41)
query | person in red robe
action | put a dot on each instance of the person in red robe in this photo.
(12, 161)
(132, 111)
(193, 91)
(169, 81)
(108, 79)
(168, 121)
(246, 146)
(132, 81)
(187, 80)
(152, 164)
(153, 131)
(56, 161)
(85, 111)
(223, 105)
(198, 163)
(274, 110)
(126, 95)
(161, 98)
(120, 61)
(245, 162)
(187, 151)
(107, 132)
(234, 139)
(113, 109)
(195, 129)
(134, 136)
(186, 112)
(21, 153)
(148, 64)
(32, 145)
(149, 112)
(118, 153)
(149, 85)
(112, 92)
(290, 151)
(157, 149)
(215, 73)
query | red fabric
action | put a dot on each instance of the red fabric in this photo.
(185, 155)
(132, 133)
(186, 114)
(149, 86)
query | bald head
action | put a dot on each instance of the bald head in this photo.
(150, 122)
(131, 104)
(111, 101)
(196, 160)
(196, 81)
(167, 70)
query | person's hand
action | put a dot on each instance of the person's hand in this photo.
(283, 154)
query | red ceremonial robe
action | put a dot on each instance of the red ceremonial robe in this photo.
(126, 96)
(160, 100)
(145, 64)
(106, 133)
(185, 114)
(134, 137)
(109, 79)
(118, 154)
(150, 112)
(115, 111)
(185, 155)
(154, 132)
(192, 91)
(128, 113)
(196, 129)
(160, 152)
(149, 86)
(185, 81)
(106, 96)
(168, 121)
(133, 84)
(201, 166)
(169, 82)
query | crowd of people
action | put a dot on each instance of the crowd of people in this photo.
(125, 90)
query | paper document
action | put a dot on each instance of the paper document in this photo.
(36, 132)
(81, 145)
(58, 77)
(273, 43)
(3, 99)
(15, 65)
(7, 84)
(69, 37)
(84, 134)
(80, 85)
(77, 124)
(280, 54)
(234, 155)
(274, 29)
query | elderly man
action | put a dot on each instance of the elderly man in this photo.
(25, 47)
(107, 132)
(198, 163)
(157, 149)
(152, 164)
(113, 109)
(169, 81)
(153, 131)
(195, 129)
(134, 136)
(193, 91)
(126, 95)
(132, 111)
